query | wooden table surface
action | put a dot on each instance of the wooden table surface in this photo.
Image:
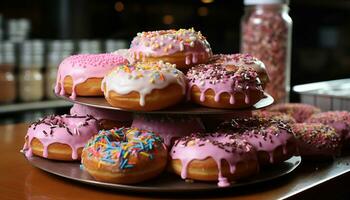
(19, 180)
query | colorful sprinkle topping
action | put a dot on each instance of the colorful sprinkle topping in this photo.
(170, 41)
(123, 146)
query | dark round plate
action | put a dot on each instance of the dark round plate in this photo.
(166, 182)
(184, 108)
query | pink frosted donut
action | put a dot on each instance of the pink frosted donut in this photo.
(243, 60)
(273, 139)
(60, 137)
(213, 157)
(169, 127)
(339, 120)
(223, 85)
(81, 75)
(317, 140)
(183, 47)
(274, 115)
(108, 119)
(300, 112)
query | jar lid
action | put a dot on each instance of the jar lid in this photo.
(259, 2)
(32, 47)
(28, 61)
(89, 46)
(113, 45)
(7, 47)
(61, 45)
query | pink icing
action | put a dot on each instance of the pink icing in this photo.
(263, 134)
(84, 66)
(73, 131)
(169, 128)
(339, 120)
(168, 42)
(222, 78)
(217, 146)
(242, 60)
(100, 113)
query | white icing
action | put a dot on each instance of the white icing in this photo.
(142, 78)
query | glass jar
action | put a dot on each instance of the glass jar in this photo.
(30, 78)
(57, 51)
(266, 29)
(7, 76)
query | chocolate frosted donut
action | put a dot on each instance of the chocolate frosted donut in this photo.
(300, 112)
(211, 157)
(339, 120)
(317, 141)
(222, 85)
(272, 138)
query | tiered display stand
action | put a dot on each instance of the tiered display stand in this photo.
(167, 182)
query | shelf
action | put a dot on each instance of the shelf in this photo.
(18, 107)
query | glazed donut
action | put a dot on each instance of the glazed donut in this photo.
(81, 75)
(339, 120)
(273, 139)
(108, 119)
(213, 157)
(243, 60)
(300, 112)
(169, 127)
(218, 85)
(124, 156)
(183, 47)
(144, 86)
(59, 137)
(274, 115)
(317, 141)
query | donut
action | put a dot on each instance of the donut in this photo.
(213, 157)
(169, 127)
(339, 120)
(108, 119)
(300, 112)
(273, 139)
(220, 85)
(81, 75)
(144, 86)
(124, 155)
(317, 141)
(243, 60)
(274, 115)
(59, 137)
(125, 53)
(183, 47)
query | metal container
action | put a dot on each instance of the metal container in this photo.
(327, 95)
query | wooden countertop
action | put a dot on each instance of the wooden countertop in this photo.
(19, 180)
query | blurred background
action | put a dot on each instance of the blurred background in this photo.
(35, 35)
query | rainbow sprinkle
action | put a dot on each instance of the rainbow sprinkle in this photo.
(119, 146)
